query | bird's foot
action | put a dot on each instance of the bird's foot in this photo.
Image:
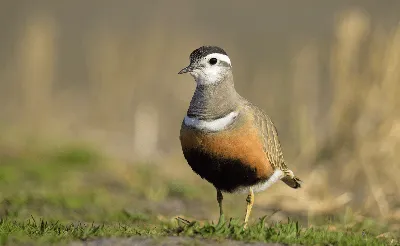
(221, 219)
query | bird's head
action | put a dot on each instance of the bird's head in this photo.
(208, 65)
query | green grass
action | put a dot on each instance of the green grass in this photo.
(290, 233)
(71, 194)
(40, 231)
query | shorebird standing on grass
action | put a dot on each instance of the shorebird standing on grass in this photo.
(225, 139)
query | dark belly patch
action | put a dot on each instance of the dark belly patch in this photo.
(226, 174)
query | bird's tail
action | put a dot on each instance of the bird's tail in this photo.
(292, 180)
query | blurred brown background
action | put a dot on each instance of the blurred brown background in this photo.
(105, 72)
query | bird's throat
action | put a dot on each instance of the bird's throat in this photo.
(213, 101)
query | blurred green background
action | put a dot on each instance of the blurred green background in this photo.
(91, 105)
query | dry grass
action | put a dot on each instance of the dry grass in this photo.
(344, 123)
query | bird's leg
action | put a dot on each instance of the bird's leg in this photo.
(250, 201)
(219, 199)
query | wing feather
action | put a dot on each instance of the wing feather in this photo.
(269, 134)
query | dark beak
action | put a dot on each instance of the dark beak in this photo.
(187, 69)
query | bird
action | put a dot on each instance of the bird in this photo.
(225, 139)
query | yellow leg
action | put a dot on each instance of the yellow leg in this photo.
(219, 199)
(250, 202)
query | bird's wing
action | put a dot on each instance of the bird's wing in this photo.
(271, 144)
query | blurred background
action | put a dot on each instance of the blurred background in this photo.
(91, 103)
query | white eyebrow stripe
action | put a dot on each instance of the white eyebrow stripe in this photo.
(214, 125)
(219, 56)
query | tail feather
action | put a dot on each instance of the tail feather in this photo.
(293, 182)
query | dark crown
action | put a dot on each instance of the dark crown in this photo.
(203, 51)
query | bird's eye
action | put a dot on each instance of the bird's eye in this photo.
(213, 61)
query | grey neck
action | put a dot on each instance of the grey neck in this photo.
(213, 101)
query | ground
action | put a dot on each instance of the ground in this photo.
(72, 195)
